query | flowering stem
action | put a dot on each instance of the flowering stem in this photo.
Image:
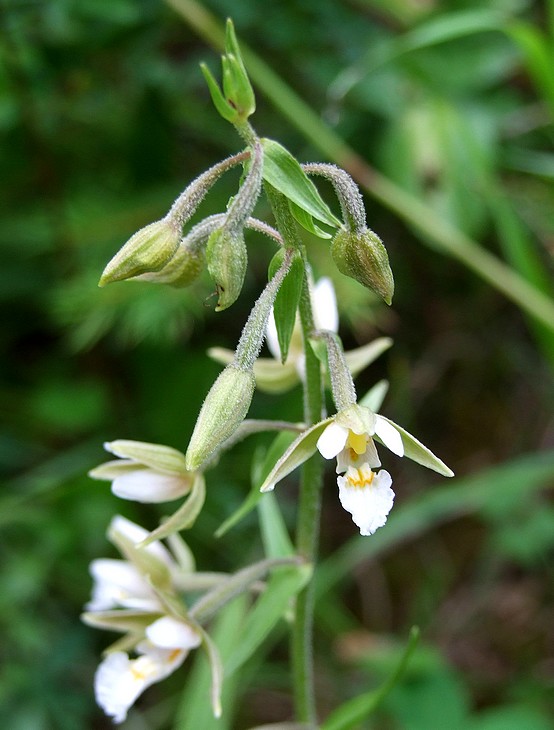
(309, 507)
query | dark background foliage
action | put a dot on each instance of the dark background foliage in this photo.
(105, 118)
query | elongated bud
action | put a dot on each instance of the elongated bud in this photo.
(227, 261)
(147, 251)
(362, 256)
(225, 407)
(185, 267)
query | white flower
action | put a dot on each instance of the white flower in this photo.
(119, 680)
(145, 472)
(118, 584)
(367, 496)
(349, 438)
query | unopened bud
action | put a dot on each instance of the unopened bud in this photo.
(227, 260)
(362, 256)
(147, 251)
(224, 409)
(185, 267)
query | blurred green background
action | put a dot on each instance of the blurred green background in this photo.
(105, 118)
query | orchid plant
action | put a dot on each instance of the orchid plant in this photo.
(154, 596)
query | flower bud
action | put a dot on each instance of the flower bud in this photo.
(148, 250)
(181, 270)
(227, 260)
(225, 407)
(362, 256)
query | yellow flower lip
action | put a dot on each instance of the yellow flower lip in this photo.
(357, 441)
(359, 478)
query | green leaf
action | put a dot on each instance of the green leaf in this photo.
(416, 451)
(274, 602)
(298, 452)
(286, 301)
(354, 711)
(283, 171)
(307, 221)
(186, 515)
(219, 101)
(275, 536)
(275, 451)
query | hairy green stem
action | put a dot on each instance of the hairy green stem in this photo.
(309, 504)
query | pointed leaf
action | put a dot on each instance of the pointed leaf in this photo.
(283, 171)
(219, 101)
(286, 301)
(307, 221)
(186, 515)
(270, 607)
(375, 396)
(298, 452)
(275, 536)
(416, 451)
(361, 357)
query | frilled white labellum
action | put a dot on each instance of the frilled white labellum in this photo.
(367, 496)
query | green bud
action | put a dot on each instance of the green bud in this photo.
(222, 412)
(181, 270)
(362, 256)
(147, 251)
(227, 260)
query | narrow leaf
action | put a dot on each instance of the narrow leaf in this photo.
(286, 301)
(275, 536)
(307, 221)
(216, 668)
(219, 101)
(298, 452)
(416, 451)
(283, 171)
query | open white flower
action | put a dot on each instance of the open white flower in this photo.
(145, 472)
(367, 496)
(119, 680)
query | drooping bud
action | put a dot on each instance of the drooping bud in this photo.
(362, 256)
(147, 251)
(227, 261)
(225, 407)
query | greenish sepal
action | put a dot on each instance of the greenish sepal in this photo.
(237, 87)
(301, 449)
(156, 456)
(110, 470)
(283, 172)
(271, 376)
(286, 302)
(416, 451)
(147, 250)
(225, 407)
(227, 261)
(120, 620)
(362, 256)
(226, 110)
(185, 517)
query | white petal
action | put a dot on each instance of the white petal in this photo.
(147, 485)
(389, 436)
(169, 633)
(332, 440)
(369, 505)
(272, 338)
(120, 680)
(326, 316)
(118, 584)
